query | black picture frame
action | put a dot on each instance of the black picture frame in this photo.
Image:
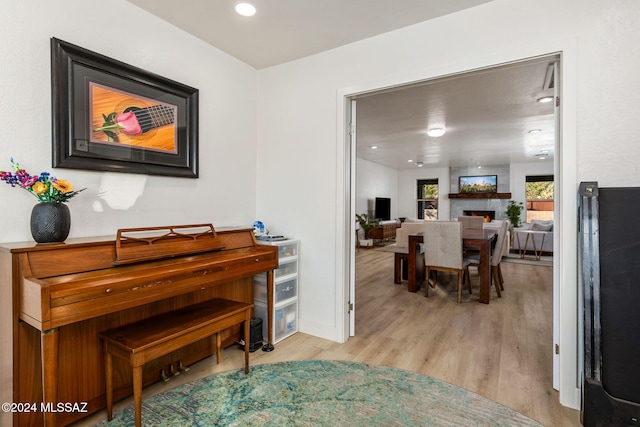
(478, 184)
(84, 82)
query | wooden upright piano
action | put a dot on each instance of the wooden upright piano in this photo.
(64, 294)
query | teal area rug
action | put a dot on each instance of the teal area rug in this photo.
(320, 393)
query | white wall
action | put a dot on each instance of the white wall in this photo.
(225, 193)
(302, 119)
(374, 180)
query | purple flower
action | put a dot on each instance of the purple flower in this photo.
(9, 178)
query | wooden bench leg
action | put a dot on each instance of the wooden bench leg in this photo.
(109, 382)
(137, 394)
(218, 348)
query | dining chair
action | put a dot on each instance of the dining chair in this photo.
(496, 257)
(505, 249)
(473, 222)
(468, 221)
(401, 256)
(444, 252)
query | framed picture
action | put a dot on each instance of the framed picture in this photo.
(110, 116)
(479, 184)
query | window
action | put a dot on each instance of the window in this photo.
(428, 199)
(540, 196)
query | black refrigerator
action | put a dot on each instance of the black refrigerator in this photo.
(609, 262)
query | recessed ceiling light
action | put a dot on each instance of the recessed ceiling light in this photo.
(245, 9)
(535, 131)
(374, 147)
(419, 164)
(410, 161)
(545, 99)
(435, 132)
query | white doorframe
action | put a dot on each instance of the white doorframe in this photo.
(352, 200)
(565, 246)
(556, 165)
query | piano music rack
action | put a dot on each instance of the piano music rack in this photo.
(149, 243)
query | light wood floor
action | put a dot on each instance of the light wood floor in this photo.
(501, 351)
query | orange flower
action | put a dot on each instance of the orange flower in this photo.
(39, 187)
(63, 186)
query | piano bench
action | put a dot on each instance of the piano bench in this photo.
(148, 339)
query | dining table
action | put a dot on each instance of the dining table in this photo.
(481, 239)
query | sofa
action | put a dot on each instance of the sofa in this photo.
(543, 237)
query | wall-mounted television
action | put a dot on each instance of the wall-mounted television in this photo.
(383, 208)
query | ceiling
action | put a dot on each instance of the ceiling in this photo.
(285, 30)
(487, 116)
(487, 113)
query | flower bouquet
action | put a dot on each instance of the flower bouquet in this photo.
(44, 187)
(50, 219)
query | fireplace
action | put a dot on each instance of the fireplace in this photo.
(488, 215)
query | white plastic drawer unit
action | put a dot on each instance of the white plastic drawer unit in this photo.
(286, 290)
(285, 320)
(288, 250)
(284, 312)
(283, 290)
(286, 267)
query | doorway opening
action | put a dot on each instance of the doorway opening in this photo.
(429, 161)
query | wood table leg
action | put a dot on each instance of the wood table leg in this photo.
(397, 268)
(414, 261)
(49, 341)
(484, 271)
